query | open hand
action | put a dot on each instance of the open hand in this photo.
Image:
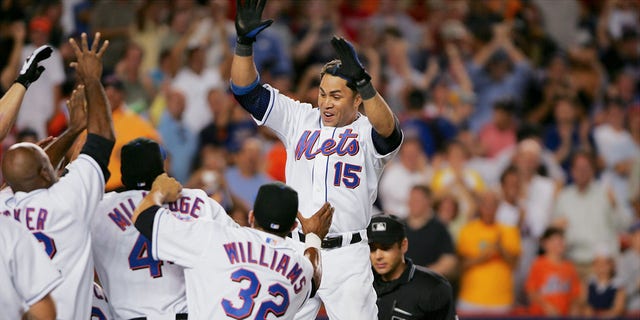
(351, 66)
(77, 106)
(248, 20)
(318, 223)
(31, 69)
(89, 64)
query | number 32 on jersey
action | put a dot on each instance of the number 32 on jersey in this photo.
(247, 295)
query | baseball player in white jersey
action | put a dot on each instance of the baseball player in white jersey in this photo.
(27, 276)
(100, 308)
(334, 154)
(238, 273)
(137, 284)
(58, 213)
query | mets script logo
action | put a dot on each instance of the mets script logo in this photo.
(309, 147)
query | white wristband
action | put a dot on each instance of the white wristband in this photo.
(312, 240)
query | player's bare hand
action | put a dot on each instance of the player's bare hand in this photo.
(318, 223)
(77, 106)
(45, 142)
(89, 60)
(167, 188)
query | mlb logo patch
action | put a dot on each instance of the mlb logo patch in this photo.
(379, 226)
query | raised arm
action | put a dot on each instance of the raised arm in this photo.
(11, 101)
(315, 229)
(248, 25)
(244, 75)
(89, 70)
(376, 108)
(77, 123)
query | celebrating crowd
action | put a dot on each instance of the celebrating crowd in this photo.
(518, 176)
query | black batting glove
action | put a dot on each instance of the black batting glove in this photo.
(248, 20)
(351, 66)
(31, 71)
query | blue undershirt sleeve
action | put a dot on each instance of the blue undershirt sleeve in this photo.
(254, 98)
(385, 145)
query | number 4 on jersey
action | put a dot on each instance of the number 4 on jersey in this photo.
(140, 258)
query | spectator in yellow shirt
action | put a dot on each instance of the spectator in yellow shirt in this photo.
(455, 175)
(489, 252)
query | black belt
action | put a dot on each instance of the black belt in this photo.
(334, 242)
(179, 316)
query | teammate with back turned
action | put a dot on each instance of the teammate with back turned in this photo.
(139, 286)
(334, 154)
(238, 273)
(27, 275)
(58, 212)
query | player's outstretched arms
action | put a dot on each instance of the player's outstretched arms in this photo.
(77, 123)
(315, 229)
(100, 137)
(11, 101)
(164, 189)
(245, 82)
(384, 122)
(45, 309)
(89, 70)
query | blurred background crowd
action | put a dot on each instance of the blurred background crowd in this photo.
(521, 119)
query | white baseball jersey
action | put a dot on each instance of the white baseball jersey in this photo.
(136, 284)
(100, 309)
(234, 273)
(335, 164)
(60, 217)
(26, 273)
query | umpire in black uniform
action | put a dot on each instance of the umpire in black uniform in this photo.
(405, 291)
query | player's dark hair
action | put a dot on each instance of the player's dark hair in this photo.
(333, 68)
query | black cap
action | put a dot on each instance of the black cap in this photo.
(142, 160)
(276, 207)
(385, 229)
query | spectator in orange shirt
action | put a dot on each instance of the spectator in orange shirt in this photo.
(127, 124)
(553, 285)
